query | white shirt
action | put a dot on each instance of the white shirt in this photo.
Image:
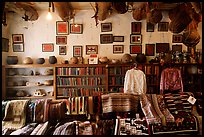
(135, 82)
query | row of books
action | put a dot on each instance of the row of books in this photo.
(80, 81)
(116, 80)
(118, 70)
(81, 71)
(117, 89)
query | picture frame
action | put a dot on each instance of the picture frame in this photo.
(135, 39)
(149, 49)
(106, 27)
(18, 47)
(135, 27)
(62, 28)
(162, 47)
(118, 38)
(118, 49)
(76, 28)
(177, 47)
(5, 45)
(47, 47)
(177, 38)
(106, 38)
(61, 40)
(91, 49)
(62, 50)
(17, 38)
(163, 26)
(149, 27)
(135, 49)
(77, 51)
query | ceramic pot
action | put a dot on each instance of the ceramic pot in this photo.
(40, 61)
(52, 59)
(28, 60)
(11, 60)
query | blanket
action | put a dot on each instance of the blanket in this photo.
(15, 114)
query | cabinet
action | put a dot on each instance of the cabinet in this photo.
(25, 81)
(75, 80)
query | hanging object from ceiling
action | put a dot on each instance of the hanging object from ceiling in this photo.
(120, 7)
(154, 15)
(139, 10)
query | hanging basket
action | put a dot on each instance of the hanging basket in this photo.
(191, 38)
(154, 16)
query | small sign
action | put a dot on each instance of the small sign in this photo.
(191, 100)
(93, 59)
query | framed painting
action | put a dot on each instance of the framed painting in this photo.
(177, 47)
(18, 47)
(76, 28)
(135, 49)
(106, 27)
(135, 39)
(62, 50)
(162, 47)
(149, 49)
(91, 49)
(149, 27)
(62, 28)
(136, 27)
(17, 38)
(118, 49)
(61, 40)
(118, 38)
(106, 38)
(5, 44)
(163, 26)
(77, 51)
(177, 38)
(47, 47)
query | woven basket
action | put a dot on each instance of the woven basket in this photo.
(191, 38)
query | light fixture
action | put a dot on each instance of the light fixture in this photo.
(49, 15)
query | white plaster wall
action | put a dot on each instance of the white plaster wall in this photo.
(44, 31)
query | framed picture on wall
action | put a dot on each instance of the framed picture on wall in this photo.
(177, 47)
(18, 47)
(77, 51)
(162, 47)
(62, 50)
(149, 49)
(17, 38)
(149, 27)
(163, 26)
(136, 27)
(106, 27)
(91, 49)
(5, 44)
(118, 49)
(76, 28)
(118, 38)
(106, 38)
(61, 40)
(62, 27)
(135, 49)
(177, 38)
(47, 47)
(135, 39)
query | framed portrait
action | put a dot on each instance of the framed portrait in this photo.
(17, 38)
(91, 49)
(149, 49)
(177, 47)
(61, 40)
(77, 51)
(62, 27)
(76, 28)
(136, 27)
(118, 49)
(5, 44)
(162, 47)
(135, 39)
(47, 47)
(135, 49)
(62, 50)
(18, 47)
(163, 26)
(106, 27)
(177, 38)
(149, 27)
(106, 38)
(118, 38)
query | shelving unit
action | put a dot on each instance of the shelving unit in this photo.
(28, 78)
